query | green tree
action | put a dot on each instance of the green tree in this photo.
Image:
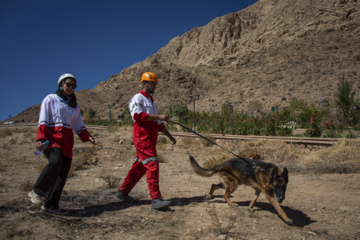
(91, 113)
(345, 98)
(179, 110)
(226, 109)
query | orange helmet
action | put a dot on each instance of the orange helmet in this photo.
(149, 76)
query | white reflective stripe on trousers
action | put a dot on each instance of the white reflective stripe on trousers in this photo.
(151, 159)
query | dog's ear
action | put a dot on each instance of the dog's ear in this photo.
(285, 174)
(274, 174)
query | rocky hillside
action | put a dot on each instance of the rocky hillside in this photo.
(271, 52)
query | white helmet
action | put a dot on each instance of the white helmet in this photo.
(64, 76)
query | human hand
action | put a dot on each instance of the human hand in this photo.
(38, 145)
(92, 140)
(163, 117)
(173, 140)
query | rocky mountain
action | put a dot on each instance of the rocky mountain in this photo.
(269, 53)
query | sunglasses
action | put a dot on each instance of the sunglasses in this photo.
(71, 85)
(152, 83)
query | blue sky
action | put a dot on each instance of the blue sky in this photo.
(92, 39)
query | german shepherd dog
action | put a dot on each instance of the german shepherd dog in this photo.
(263, 177)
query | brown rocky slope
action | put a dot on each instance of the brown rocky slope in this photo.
(271, 52)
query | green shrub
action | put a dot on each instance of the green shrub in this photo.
(345, 99)
(313, 128)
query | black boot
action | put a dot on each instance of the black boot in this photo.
(158, 203)
(123, 197)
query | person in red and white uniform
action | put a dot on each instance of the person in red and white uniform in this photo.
(59, 117)
(147, 124)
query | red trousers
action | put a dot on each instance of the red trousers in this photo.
(146, 162)
(137, 172)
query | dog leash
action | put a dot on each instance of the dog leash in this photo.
(172, 121)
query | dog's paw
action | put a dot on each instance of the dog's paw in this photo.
(290, 222)
(208, 197)
(232, 204)
(251, 210)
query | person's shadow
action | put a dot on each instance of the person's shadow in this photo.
(96, 210)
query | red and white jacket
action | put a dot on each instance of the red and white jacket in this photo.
(57, 121)
(144, 132)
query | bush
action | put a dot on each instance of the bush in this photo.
(330, 130)
(313, 129)
(297, 115)
(345, 99)
(179, 110)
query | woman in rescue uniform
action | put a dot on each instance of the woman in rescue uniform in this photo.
(59, 116)
(147, 124)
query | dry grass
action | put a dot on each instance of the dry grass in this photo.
(216, 160)
(189, 142)
(343, 157)
(206, 143)
(112, 128)
(10, 131)
(161, 143)
(112, 138)
(250, 153)
(161, 158)
(127, 128)
(276, 152)
(218, 226)
(30, 135)
(112, 181)
(9, 143)
(81, 158)
(345, 150)
(8, 158)
(6, 132)
(13, 140)
(24, 134)
(95, 133)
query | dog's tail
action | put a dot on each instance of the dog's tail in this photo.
(199, 170)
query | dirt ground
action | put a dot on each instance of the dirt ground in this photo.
(323, 206)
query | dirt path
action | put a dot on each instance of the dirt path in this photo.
(322, 206)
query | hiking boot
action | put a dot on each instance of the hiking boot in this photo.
(158, 204)
(123, 197)
(50, 210)
(35, 198)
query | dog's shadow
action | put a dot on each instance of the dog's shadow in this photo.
(300, 219)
